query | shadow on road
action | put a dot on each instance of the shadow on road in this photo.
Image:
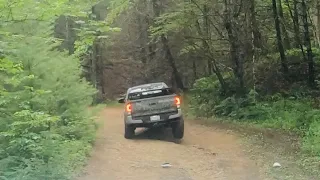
(157, 133)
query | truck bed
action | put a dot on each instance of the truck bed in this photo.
(154, 106)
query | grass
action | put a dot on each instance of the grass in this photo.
(267, 146)
(265, 151)
(112, 103)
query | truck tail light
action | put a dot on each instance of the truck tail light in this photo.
(177, 101)
(129, 108)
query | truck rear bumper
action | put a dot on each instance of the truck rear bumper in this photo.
(142, 122)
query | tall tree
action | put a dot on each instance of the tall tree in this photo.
(286, 39)
(230, 22)
(255, 27)
(157, 7)
(307, 40)
(279, 38)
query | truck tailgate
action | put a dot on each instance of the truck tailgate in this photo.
(152, 106)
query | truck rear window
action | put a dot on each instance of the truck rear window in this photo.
(149, 94)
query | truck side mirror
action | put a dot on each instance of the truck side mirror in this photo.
(121, 100)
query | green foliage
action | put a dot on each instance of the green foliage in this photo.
(175, 21)
(46, 127)
(295, 113)
(205, 95)
(118, 7)
(312, 139)
(43, 10)
(89, 32)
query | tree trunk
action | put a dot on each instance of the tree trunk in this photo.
(217, 71)
(98, 72)
(255, 27)
(279, 39)
(318, 17)
(156, 4)
(194, 69)
(317, 25)
(172, 63)
(286, 38)
(235, 51)
(236, 59)
(206, 37)
(311, 75)
(141, 40)
(296, 24)
(151, 45)
(295, 20)
(211, 61)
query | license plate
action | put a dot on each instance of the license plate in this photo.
(155, 118)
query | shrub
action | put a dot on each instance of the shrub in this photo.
(311, 142)
(294, 112)
(46, 127)
(205, 95)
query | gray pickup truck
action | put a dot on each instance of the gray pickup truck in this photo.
(151, 105)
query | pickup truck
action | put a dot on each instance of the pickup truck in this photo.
(152, 105)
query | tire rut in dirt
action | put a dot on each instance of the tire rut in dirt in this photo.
(203, 154)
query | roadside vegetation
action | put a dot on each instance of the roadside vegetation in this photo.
(250, 61)
(296, 113)
(46, 127)
(253, 62)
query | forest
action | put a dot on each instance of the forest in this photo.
(250, 61)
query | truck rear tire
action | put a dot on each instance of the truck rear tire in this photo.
(178, 129)
(129, 132)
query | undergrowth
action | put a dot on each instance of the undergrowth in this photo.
(46, 127)
(294, 112)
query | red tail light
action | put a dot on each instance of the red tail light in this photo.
(177, 101)
(129, 108)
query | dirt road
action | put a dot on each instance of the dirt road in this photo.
(205, 153)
